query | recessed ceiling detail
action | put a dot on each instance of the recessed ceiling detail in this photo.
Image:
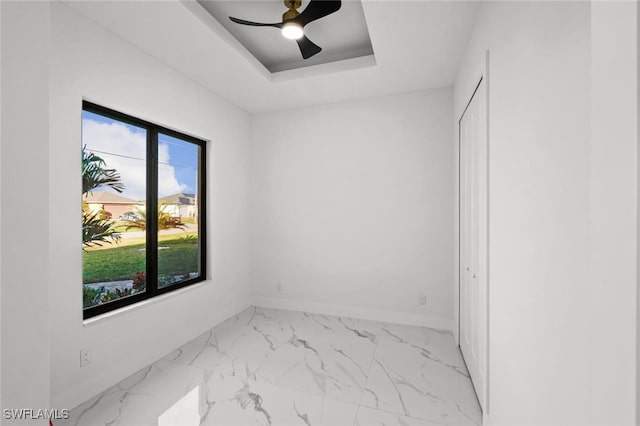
(343, 34)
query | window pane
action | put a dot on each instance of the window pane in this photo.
(113, 214)
(178, 236)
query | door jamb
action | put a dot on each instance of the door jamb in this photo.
(482, 75)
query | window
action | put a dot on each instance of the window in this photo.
(143, 210)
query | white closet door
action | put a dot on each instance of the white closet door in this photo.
(473, 240)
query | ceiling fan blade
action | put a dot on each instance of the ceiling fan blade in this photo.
(307, 47)
(254, 24)
(318, 9)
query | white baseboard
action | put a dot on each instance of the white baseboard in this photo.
(372, 314)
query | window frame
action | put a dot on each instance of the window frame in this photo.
(151, 262)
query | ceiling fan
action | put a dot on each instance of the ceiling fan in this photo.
(293, 22)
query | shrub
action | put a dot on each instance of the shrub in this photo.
(109, 295)
(91, 296)
(139, 282)
(104, 215)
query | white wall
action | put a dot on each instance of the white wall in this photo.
(1, 137)
(88, 62)
(562, 213)
(614, 213)
(352, 208)
(24, 272)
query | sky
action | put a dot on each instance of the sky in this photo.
(123, 147)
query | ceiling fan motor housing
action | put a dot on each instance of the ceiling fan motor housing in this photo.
(289, 15)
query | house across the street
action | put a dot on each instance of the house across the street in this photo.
(112, 203)
(180, 205)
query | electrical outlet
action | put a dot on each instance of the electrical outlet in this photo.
(422, 300)
(279, 287)
(85, 357)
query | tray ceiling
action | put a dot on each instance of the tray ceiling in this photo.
(418, 45)
(342, 35)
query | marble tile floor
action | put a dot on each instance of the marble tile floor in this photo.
(274, 367)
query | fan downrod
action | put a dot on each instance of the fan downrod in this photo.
(292, 13)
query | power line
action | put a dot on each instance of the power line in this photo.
(181, 166)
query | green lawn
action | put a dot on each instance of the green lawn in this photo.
(122, 263)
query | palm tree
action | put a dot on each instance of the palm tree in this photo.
(165, 220)
(95, 175)
(95, 229)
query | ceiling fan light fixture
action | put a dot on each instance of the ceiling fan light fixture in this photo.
(292, 30)
(293, 22)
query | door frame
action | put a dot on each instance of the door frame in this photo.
(474, 83)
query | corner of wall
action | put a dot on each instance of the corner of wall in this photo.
(638, 238)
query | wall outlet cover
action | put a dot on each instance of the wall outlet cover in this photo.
(85, 357)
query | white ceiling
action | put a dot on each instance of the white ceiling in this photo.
(418, 45)
(341, 35)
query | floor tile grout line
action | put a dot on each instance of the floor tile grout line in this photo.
(413, 417)
(420, 419)
(373, 357)
(321, 396)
